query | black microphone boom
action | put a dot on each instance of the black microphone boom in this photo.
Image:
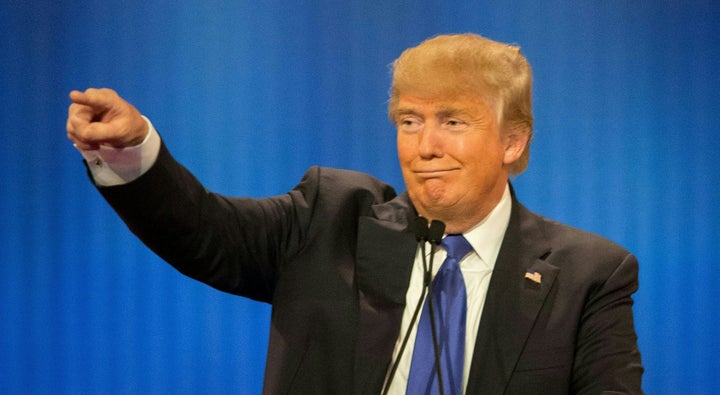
(435, 235)
(421, 230)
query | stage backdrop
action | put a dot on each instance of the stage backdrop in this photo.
(248, 94)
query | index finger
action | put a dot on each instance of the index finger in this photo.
(96, 98)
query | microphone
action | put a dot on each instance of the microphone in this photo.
(436, 231)
(423, 234)
(420, 227)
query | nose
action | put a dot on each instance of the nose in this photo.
(431, 142)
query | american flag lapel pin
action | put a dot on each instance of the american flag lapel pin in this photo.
(533, 276)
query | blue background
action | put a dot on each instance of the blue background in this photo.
(248, 94)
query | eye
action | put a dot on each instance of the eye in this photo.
(455, 124)
(409, 124)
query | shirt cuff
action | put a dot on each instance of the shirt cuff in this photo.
(111, 166)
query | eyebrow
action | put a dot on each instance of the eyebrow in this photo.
(445, 112)
(405, 111)
(440, 112)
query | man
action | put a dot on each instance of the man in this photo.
(546, 308)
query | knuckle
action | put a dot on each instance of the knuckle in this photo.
(107, 92)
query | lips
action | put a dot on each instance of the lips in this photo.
(433, 173)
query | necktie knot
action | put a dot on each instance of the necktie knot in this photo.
(456, 246)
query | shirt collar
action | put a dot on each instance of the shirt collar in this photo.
(486, 237)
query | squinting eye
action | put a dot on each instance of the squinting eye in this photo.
(409, 124)
(455, 124)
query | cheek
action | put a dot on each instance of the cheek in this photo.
(483, 152)
(406, 149)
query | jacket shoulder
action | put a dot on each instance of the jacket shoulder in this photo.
(327, 184)
(567, 236)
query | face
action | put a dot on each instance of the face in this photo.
(452, 157)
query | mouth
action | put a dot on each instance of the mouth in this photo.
(434, 173)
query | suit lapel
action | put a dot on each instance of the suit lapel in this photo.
(512, 304)
(385, 254)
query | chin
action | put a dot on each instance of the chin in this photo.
(434, 194)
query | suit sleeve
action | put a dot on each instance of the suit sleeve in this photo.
(236, 245)
(607, 356)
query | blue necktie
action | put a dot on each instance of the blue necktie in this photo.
(450, 307)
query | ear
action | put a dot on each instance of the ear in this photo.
(515, 142)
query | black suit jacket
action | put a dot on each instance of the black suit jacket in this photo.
(334, 255)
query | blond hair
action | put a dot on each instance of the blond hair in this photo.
(470, 65)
